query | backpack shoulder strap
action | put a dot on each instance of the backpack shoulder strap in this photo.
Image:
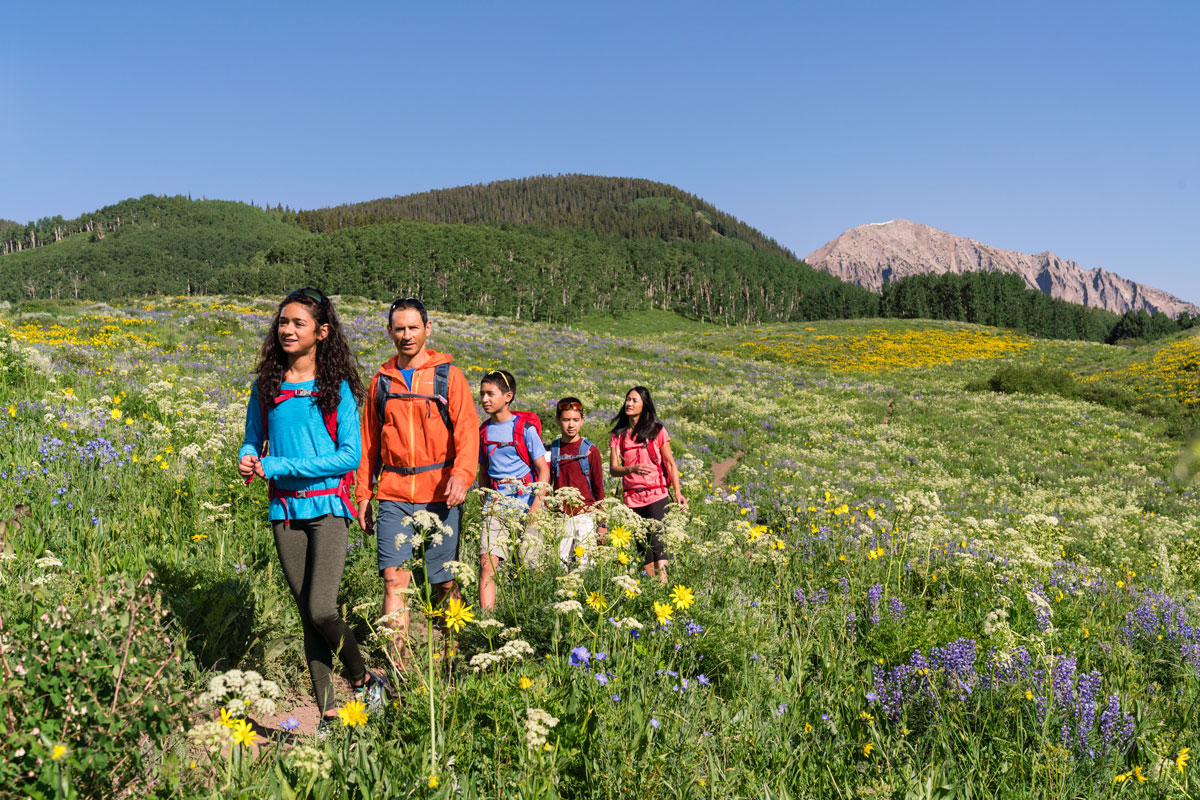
(519, 425)
(441, 388)
(383, 387)
(554, 451)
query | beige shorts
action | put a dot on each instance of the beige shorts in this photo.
(579, 529)
(498, 536)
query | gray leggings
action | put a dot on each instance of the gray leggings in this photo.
(313, 555)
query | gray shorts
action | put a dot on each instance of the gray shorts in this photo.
(392, 525)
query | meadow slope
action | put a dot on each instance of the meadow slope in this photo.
(903, 589)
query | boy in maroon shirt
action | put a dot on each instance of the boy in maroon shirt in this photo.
(575, 462)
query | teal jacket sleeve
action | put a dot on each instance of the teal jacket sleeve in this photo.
(256, 433)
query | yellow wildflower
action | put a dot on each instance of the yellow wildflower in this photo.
(60, 750)
(458, 614)
(353, 713)
(1182, 759)
(620, 537)
(243, 733)
(433, 781)
(1137, 773)
(682, 597)
(524, 683)
(663, 611)
(596, 601)
(867, 748)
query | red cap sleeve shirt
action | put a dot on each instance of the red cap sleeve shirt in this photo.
(641, 490)
(588, 479)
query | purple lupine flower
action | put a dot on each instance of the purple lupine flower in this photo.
(896, 609)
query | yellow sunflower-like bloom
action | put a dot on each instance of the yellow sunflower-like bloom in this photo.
(682, 597)
(353, 713)
(458, 614)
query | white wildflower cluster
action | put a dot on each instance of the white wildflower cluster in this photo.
(208, 736)
(425, 524)
(567, 607)
(190, 452)
(630, 623)
(627, 584)
(996, 627)
(569, 585)
(675, 535)
(537, 727)
(237, 691)
(510, 633)
(463, 572)
(560, 499)
(513, 650)
(217, 512)
(310, 760)
(488, 623)
(48, 561)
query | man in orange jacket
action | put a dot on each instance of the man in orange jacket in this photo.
(420, 436)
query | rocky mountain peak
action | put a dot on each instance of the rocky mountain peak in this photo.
(877, 253)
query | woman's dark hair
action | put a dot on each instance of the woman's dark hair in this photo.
(648, 425)
(335, 362)
(502, 379)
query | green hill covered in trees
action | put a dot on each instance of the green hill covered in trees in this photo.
(151, 245)
(552, 275)
(629, 208)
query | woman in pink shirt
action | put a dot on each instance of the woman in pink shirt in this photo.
(640, 455)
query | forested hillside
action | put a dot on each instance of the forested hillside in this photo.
(1003, 300)
(623, 246)
(630, 208)
(551, 274)
(151, 245)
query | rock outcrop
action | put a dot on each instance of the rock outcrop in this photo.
(882, 252)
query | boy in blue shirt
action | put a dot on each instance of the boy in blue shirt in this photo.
(512, 452)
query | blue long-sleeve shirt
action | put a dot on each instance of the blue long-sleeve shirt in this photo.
(302, 454)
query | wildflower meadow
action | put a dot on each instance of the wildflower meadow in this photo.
(885, 584)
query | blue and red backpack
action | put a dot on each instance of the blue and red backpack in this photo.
(487, 447)
(557, 459)
(342, 490)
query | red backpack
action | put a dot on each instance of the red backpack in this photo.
(487, 447)
(342, 490)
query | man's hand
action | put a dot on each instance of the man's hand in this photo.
(644, 469)
(366, 519)
(456, 491)
(246, 465)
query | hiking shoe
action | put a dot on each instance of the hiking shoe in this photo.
(374, 691)
(323, 728)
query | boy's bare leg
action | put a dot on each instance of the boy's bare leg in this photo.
(487, 582)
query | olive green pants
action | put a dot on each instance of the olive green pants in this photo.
(313, 555)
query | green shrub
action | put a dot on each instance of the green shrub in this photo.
(92, 685)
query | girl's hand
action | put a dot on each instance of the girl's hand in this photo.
(246, 465)
(681, 499)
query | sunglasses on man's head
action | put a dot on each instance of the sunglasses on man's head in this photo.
(408, 302)
(311, 294)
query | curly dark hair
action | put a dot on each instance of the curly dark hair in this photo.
(335, 362)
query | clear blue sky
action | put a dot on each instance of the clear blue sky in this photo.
(1072, 127)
